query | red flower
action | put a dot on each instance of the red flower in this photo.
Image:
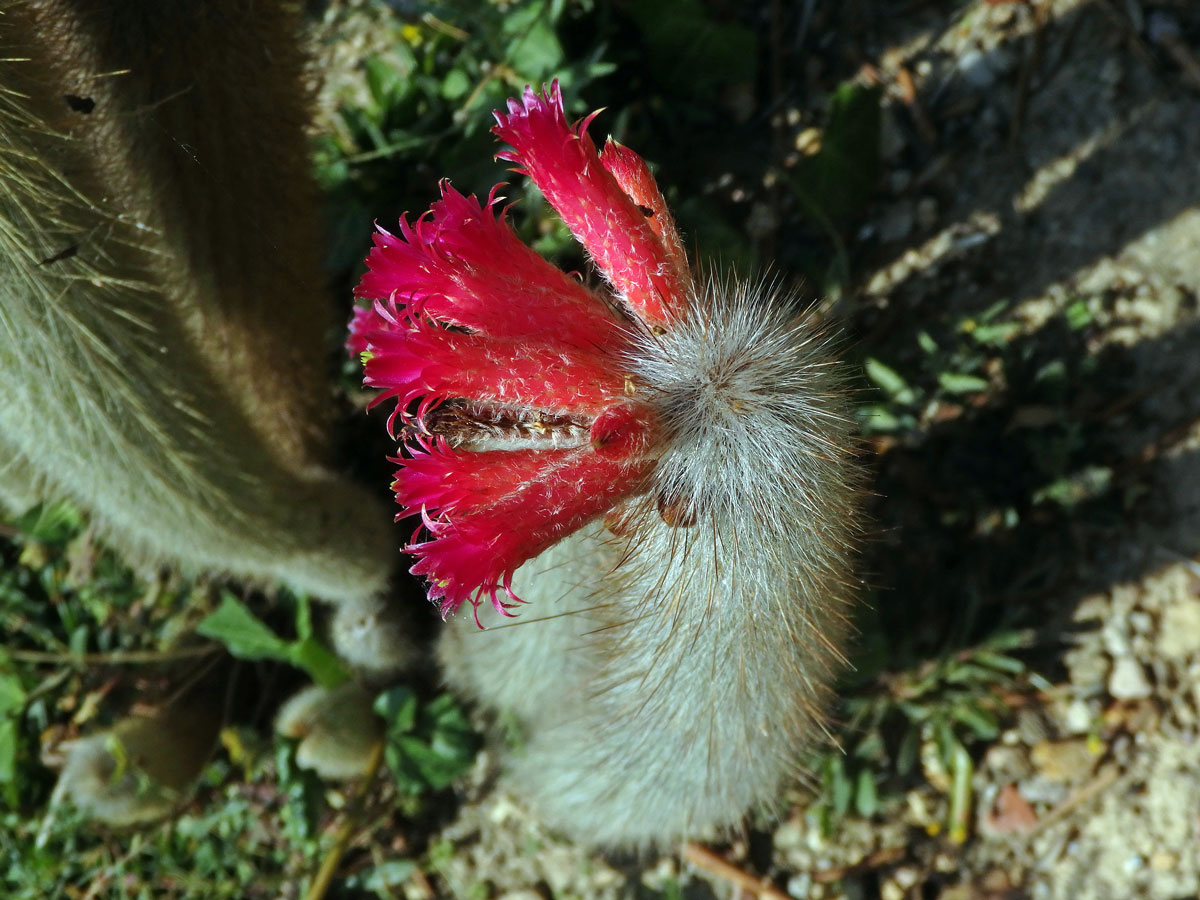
(521, 420)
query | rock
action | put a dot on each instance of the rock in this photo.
(790, 836)
(1063, 761)
(1180, 630)
(1116, 637)
(1127, 680)
(1078, 718)
(1009, 814)
(976, 70)
(800, 886)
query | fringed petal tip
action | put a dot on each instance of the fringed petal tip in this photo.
(611, 211)
(530, 101)
(447, 590)
(485, 513)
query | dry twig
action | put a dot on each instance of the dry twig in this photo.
(329, 865)
(703, 858)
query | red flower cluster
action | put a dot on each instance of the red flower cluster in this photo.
(522, 420)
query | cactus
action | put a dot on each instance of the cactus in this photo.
(658, 475)
(162, 324)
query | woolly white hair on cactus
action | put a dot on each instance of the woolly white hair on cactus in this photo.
(668, 460)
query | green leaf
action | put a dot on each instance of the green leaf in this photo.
(1053, 372)
(398, 708)
(909, 751)
(841, 790)
(428, 746)
(432, 765)
(999, 661)
(840, 178)
(866, 800)
(981, 722)
(243, 634)
(961, 769)
(878, 419)
(1008, 639)
(957, 383)
(456, 84)
(889, 381)
(1078, 315)
(322, 666)
(77, 642)
(383, 877)
(8, 751)
(12, 694)
(995, 335)
(534, 50)
(386, 80)
(969, 672)
(51, 523)
(247, 637)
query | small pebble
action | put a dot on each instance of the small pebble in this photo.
(905, 877)
(800, 885)
(1078, 718)
(1063, 761)
(1163, 861)
(789, 836)
(1127, 680)
(976, 70)
(1141, 621)
(1116, 638)
(1180, 629)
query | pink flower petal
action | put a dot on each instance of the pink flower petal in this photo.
(363, 322)
(462, 265)
(563, 163)
(528, 501)
(633, 175)
(426, 360)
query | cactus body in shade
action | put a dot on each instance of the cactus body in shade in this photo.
(657, 473)
(162, 320)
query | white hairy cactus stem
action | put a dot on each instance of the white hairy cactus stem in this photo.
(692, 652)
(695, 631)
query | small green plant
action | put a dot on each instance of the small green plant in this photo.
(950, 370)
(66, 604)
(248, 637)
(429, 745)
(72, 617)
(928, 718)
(258, 822)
